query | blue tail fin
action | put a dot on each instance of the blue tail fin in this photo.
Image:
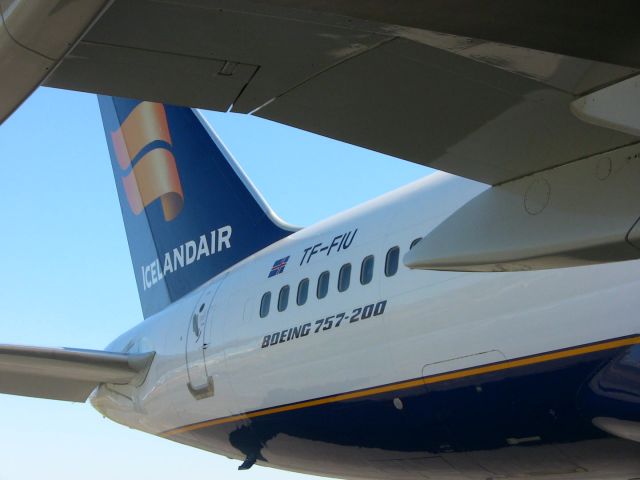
(189, 210)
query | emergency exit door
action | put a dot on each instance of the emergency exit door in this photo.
(200, 382)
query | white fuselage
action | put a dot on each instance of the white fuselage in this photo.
(433, 322)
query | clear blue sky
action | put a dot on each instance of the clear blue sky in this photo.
(67, 277)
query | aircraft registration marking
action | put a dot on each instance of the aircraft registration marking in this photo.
(337, 244)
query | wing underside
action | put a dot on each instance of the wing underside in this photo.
(537, 98)
(479, 92)
(479, 89)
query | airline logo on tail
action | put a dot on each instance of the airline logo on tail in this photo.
(143, 147)
(188, 210)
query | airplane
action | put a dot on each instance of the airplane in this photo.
(473, 324)
(317, 350)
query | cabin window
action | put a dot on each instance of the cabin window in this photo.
(303, 291)
(415, 242)
(323, 285)
(391, 263)
(264, 304)
(344, 277)
(366, 270)
(283, 298)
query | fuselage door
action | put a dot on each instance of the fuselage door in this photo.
(200, 382)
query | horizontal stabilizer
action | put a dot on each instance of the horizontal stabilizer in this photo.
(65, 374)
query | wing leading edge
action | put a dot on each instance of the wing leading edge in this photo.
(66, 374)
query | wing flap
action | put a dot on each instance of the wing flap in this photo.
(445, 111)
(65, 374)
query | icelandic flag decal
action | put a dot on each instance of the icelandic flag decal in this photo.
(278, 267)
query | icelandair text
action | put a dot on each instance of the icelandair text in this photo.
(186, 254)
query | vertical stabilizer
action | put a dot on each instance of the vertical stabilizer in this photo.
(189, 210)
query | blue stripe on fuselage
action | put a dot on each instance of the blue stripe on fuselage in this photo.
(536, 404)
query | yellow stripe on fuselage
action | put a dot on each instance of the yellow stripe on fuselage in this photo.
(438, 378)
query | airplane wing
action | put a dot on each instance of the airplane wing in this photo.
(528, 96)
(65, 374)
(480, 89)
